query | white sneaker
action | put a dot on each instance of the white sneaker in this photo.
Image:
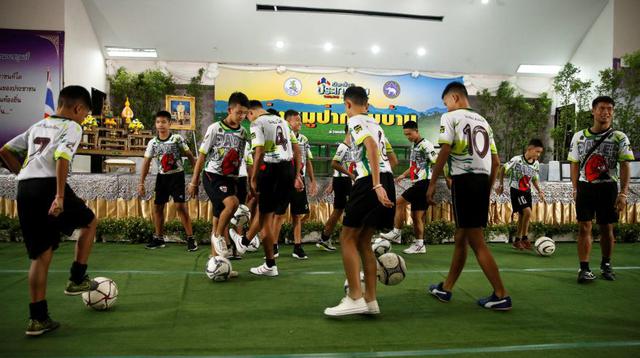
(393, 236)
(416, 248)
(373, 307)
(348, 306)
(264, 270)
(254, 245)
(219, 245)
(237, 239)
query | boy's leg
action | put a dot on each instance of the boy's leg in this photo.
(526, 218)
(230, 206)
(183, 214)
(418, 246)
(330, 225)
(399, 219)
(158, 219)
(349, 239)
(298, 251)
(369, 262)
(85, 242)
(458, 259)
(485, 259)
(584, 244)
(38, 311)
(607, 242)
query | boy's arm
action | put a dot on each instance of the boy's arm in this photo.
(393, 160)
(298, 184)
(258, 159)
(575, 175)
(403, 175)
(337, 166)
(143, 175)
(372, 156)
(191, 158)
(625, 175)
(313, 187)
(495, 165)
(445, 150)
(10, 161)
(195, 177)
(62, 171)
(500, 188)
(540, 192)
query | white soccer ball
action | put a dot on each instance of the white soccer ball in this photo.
(545, 246)
(241, 217)
(218, 268)
(391, 269)
(346, 283)
(380, 246)
(103, 297)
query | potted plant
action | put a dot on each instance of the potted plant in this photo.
(136, 126)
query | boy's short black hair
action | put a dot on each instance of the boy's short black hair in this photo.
(273, 111)
(455, 87)
(605, 99)
(253, 104)
(72, 95)
(536, 143)
(410, 125)
(164, 114)
(357, 95)
(290, 113)
(238, 98)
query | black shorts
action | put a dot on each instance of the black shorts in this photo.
(597, 199)
(417, 195)
(341, 191)
(218, 188)
(520, 200)
(40, 230)
(275, 185)
(169, 185)
(470, 196)
(299, 202)
(242, 190)
(364, 209)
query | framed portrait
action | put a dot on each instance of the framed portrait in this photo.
(183, 112)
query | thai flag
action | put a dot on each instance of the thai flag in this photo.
(48, 100)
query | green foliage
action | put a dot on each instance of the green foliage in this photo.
(10, 226)
(436, 232)
(514, 119)
(146, 92)
(201, 229)
(196, 89)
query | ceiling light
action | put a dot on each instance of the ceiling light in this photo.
(539, 69)
(375, 49)
(484, 2)
(421, 51)
(280, 44)
(328, 46)
(131, 52)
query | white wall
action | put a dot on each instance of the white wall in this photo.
(32, 14)
(626, 27)
(83, 60)
(595, 53)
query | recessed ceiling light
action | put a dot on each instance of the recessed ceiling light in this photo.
(539, 69)
(421, 51)
(484, 2)
(328, 46)
(280, 44)
(131, 52)
(375, 49)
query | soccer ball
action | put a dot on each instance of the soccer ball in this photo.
(218, 269)
(241, 217)
(346, 283)
(380, 246)
(391, 269)
(545, 246)
(103, 297)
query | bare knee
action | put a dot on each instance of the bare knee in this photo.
(584, 229)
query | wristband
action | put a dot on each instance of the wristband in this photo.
(191, 184)
(376, 187)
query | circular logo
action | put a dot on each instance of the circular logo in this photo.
(292, 86)
(391, 89)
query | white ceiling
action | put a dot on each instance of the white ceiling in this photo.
(473, 38)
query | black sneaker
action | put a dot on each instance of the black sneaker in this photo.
(155, 244)
(37, 328)
(298, 253)
(586, 276)
(325, 245)
(606, 271)
(192, 245)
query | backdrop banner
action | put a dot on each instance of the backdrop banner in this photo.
(393, 99)
(31, 64)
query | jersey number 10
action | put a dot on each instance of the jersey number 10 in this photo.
(471, 138)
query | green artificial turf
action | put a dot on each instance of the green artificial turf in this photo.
(167, 306)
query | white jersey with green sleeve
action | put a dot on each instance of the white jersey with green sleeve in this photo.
(362, 127)
(305, 152)
(43, 144)
(344, 156)
(522, 172)
(423, 156)
(471, 139)
(273, 133)
(167, 153)
(224, 147)
(602, 164)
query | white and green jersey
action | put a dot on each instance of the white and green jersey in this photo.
(43, 143)
(521, 172)
(471, 140)
(224, 147)
(167, 153)
(273, 133)
(305, 152)
(361, 127)
(247, 159)
(422, 157)
(344, 156)
(602, 164)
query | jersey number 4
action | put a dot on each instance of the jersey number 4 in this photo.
(473, 144)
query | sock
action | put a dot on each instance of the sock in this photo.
(78, 272)
(396, 231)
(516, 239)
(584, 266)
(324, 237)
(297, 246)
(605, 261)
(189, 237)
(421, 242)
(270, 262)
(245, 241)
(38, 310)
(525, 238)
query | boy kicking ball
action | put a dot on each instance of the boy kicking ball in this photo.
(47, 206)
(523, 170)
(466, 141)
(167, 149)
